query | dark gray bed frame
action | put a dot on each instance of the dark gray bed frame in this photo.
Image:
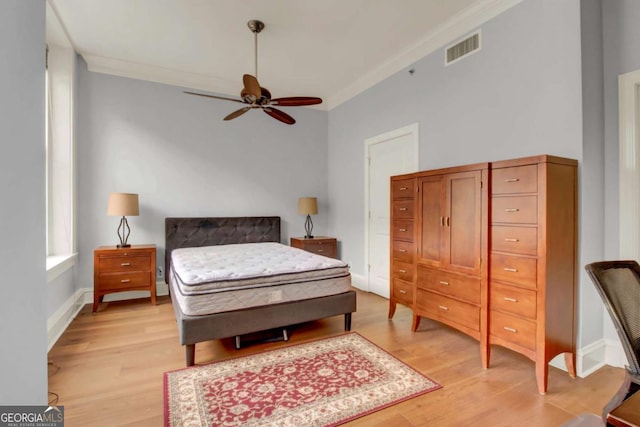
(192, 232)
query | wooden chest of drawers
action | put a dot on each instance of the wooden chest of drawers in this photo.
(123, 269)
(533, 259)
(403, 247)
(321, 245)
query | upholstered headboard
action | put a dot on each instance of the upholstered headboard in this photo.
(193, 232)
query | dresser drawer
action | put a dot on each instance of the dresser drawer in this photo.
(456, 285)
(517, 240)
(519, 179)
(449, 310)
(140, 262)
(403, 251)
(403, 188)
(403, 209)
(511, 299)
(513, 329)
(515, 209)
(402, 291)
(124, 280)
(403, 270)
(514, 269)
(402, 230)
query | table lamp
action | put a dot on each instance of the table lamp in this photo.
(308, 206)
(123, 205)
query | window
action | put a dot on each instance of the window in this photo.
(60, 155)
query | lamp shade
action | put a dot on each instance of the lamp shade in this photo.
(308, 205)
(123, 204)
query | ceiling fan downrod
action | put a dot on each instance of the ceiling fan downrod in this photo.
(255, 26)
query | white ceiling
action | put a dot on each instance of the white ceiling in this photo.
(333, 49)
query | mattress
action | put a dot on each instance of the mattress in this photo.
(215, 279)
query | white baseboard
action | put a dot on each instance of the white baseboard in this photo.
(594, 356)
(358, 281)
(61, 319)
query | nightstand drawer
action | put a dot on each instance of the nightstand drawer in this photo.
(320, 245)
(124, 280)
(109, 264)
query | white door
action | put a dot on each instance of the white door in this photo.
(393, 153)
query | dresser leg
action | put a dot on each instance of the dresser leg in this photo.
(570, 361)
(96, 301)
(392, 309)
(416, 323)
(542, 375)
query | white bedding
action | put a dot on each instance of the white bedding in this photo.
(215, 279)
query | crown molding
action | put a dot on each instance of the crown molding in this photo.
(454, 28)
(442, 35)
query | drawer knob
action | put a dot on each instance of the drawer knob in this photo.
(320, 250)
(443, 283)
(125, 264)
(125, 281)
(508, 329)
(511, 270)
(510, 299)
(511, 240)
(403, 229)
(403, 209)
(512, 210)
(402, 291)
(402, 250)
(403, 188)
(443, 308)
(512, 180)
(402, 271)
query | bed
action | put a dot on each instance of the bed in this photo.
(208, 232)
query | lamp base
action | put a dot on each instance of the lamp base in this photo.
(123, 246)
(308, 237)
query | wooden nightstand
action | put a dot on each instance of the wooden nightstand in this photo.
(321, 245)
(123, 269)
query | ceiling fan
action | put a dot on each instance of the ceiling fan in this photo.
(256, 96)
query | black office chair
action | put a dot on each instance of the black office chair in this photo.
(618, 283)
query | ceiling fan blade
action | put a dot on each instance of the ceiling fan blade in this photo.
(280, 115)
(294, 101)
(237, 113)
(251, 86)
(216, 97)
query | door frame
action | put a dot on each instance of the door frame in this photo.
(411, 130)
(629, 166)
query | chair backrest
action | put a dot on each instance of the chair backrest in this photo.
(618, 283)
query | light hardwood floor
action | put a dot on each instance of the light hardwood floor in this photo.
(108, 369)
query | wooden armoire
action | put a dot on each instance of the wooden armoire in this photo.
(490, 249)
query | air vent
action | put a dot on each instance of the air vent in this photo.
(462, 49)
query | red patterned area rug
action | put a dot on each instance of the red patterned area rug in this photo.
(320, 383)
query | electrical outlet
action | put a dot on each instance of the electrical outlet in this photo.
(160, 272)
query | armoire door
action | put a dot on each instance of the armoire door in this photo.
(432, 218)
(463, 219)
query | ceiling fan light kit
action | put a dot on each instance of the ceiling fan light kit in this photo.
(256, 96)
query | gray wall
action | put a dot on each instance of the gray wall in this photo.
(176, 152)
(621, 43)
(23, 353)
(514, 98)
(520, 95)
